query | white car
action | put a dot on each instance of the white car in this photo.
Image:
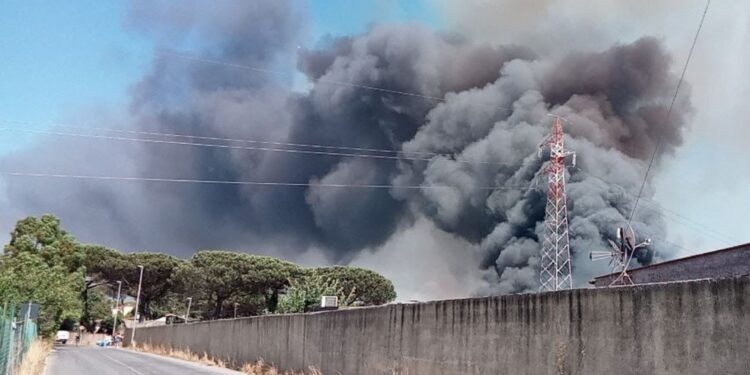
(62, 337)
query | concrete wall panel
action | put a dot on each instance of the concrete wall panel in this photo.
(698, 327)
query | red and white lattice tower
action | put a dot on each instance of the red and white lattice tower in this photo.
(556, 269)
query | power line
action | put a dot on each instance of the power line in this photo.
(696, 227)
(669, 111)
(317, 80)
(257, 183)
(253, 148)
(724, 238)
(666, 121)
(691, 251)
(658, 207)
(685, 220)
(674, 244)
(224, 139)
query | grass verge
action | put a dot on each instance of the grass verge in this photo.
(257, 368)
(33, 361)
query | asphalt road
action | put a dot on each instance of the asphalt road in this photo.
(87, 360)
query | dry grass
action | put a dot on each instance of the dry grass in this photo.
(33, 361)
(185, 355)
(257, 368)
(561, 358)
(262, 368)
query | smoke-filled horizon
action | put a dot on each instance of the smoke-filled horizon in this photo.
(456, 241)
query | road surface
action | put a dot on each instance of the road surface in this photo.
(87, 360)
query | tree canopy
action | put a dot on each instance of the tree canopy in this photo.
(45, 237)
(43, 264)
(370, 287)
(77, 282)
(158, 272)
(214, 277)
(305, 293)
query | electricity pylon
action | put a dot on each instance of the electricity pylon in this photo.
(556, 267)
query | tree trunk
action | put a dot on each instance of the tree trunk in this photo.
(86, 316)
(219, 307)
(147, 308)
(272, 301)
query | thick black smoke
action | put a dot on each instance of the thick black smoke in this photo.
(494, 115)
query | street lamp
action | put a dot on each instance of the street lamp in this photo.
(137, 302)
(117, 308)
(187, 314)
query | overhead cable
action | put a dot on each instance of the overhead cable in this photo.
(669, 113)
(667, 211)
(316, 80)
(257, 183)
(223, 139)
(254, 148)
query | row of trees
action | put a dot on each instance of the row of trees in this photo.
(73, 281)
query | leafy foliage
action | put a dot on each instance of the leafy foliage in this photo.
(214, 278)
(45, 237)
(26, 276)
(100, 262)
(44, 264)
(306, 293)
(372, 288)
(158, 272)
(73, 282)
(100, 309)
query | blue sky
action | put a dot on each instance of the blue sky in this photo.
(73, 55)
(61, 59)
(66, 56)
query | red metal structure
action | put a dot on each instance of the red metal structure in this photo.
(556, 267)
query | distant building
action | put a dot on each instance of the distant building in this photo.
(126, 308)
(730, 262)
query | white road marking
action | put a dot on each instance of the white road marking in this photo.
(124, 365)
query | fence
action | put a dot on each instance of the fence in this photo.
(16, 336)
(683, 328)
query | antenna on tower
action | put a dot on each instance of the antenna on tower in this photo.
(556, 265)
(622, 252)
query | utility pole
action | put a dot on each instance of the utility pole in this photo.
(117, 308)
(137, 302)
(187, 313)
(556, 268)
(235, 309)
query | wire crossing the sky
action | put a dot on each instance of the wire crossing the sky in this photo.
(254, 148)
(656, 207)
(316, 80)
(256, 183)
(669, 112)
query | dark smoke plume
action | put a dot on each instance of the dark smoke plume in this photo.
(495, 113)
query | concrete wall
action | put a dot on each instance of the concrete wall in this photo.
(730, 262)
(699, 327)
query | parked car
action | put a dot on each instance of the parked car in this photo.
(107, 341)
(62, 337)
